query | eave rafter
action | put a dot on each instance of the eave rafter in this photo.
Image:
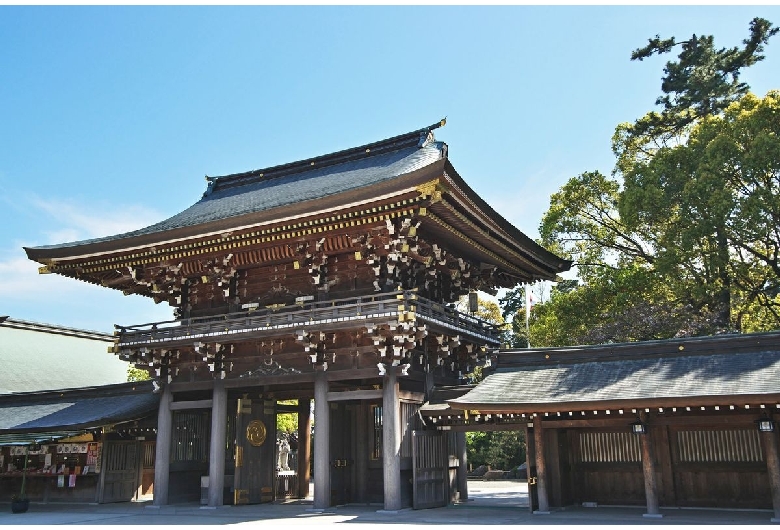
(275, 244)
(445, 205)
(231, 241)
(416, 233)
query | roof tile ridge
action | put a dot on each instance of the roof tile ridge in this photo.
(420, 137)
(676, 347)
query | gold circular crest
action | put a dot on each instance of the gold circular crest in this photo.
(256, 432)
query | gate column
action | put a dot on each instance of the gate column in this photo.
(773, 470)
(463, 487)
(391, 440)
(162, 462)
(217, 447)
(541, 471)
(322, 440)
(304, 447)
(648, 469)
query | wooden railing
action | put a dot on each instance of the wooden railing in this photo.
(306, 315)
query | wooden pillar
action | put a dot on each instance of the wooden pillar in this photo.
(363, 447)
(217, 446)
(162, 460)
(648, 469)
(541, 471)
(391, 440)
(463, 487)
(304, 447)
(102, 477)
(322, 439)
(773, 469)
(530, 465)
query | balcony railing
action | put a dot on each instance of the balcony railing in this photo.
(263, 320)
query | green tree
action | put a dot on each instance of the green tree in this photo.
(287, 422)
(499, 450)
(136, 374)
(683, 239)
(489, 311)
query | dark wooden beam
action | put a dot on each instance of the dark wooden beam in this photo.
(357, 395)
(739, 401)
(188, 405)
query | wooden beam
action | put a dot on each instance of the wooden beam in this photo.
(480, 427)
(188, 386)
(357, 395)
(188, 405)
(413, 397)
(625, 419)
(739, 401)
(360, 373)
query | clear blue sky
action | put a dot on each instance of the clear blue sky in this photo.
(111, 116)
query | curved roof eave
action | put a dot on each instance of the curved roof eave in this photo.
(555, 263)
(393, 169)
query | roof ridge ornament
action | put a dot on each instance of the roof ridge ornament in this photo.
(426, 135)
(210, 185)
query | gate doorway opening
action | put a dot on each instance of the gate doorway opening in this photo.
(486, 456)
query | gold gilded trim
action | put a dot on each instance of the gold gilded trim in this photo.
(426, 189)
(256, 433)
(240, 496)
(392, 210)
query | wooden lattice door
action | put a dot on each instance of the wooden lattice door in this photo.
(430, 470)
(120, 469)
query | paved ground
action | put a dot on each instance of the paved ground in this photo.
(501, 503)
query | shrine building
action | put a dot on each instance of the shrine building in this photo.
(332, 278)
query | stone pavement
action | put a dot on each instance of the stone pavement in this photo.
(491, 505)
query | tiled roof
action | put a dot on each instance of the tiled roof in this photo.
(36, 357)
(649, 377)
(315, 178)
(76, 408)
(437, 404)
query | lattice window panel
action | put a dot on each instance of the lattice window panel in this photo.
(739, 445)
(191, 436)
(606, 447)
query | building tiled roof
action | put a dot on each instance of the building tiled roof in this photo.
(721, 372)
(76, 408)
(35, 357)
(315, 178)
(437, 404)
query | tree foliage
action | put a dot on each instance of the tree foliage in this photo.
(684, 238)
(500, 449)
(287, 422)
(136, 374)
(703, 81)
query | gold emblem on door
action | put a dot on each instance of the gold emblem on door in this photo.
(256, 433)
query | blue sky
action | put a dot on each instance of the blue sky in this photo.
(111, 116)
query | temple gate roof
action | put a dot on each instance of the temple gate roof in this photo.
(405, 176)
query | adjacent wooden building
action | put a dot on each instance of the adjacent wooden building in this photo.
(89, 444)
(69, 417)
(331, 278)
(672, 423)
